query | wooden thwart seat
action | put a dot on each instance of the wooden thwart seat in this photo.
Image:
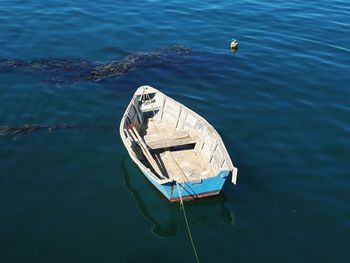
(150, 107)
(165, 140)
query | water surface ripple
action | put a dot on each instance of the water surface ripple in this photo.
(281, 104)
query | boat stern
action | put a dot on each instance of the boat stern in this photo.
(191, 190)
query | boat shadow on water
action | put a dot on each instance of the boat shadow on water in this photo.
(166, 218)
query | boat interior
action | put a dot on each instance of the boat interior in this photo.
(171, 140)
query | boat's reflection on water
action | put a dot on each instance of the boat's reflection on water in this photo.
(165, 217)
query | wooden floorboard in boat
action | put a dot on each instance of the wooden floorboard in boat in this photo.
(186, 165)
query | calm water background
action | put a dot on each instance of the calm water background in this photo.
(281, 104)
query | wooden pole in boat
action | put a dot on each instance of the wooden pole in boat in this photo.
(134, 133)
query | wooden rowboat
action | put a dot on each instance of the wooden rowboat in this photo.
(178, 151)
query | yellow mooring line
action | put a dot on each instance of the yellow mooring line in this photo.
(188, 227)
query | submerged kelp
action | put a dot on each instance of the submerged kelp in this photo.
(7, 130)
(83, 69)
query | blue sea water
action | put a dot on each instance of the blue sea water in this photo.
(281, 104)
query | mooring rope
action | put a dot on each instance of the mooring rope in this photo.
(188, 226)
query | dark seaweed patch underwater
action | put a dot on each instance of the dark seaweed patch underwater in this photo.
(74, 70)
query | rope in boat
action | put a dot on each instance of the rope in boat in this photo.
(188, 226)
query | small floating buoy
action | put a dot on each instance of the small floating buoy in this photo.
(234, 44)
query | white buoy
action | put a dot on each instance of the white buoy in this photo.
(234, 44)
